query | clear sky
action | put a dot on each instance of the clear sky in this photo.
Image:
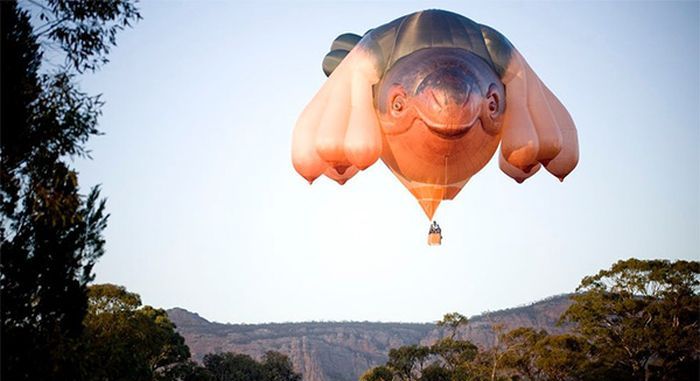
(207, 212)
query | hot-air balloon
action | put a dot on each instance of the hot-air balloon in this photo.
(432, 94)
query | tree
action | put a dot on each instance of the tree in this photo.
(379, 373)
(231, 366)
(436, 372)
(84, 31)
(636, 321)
(453, 321)
(498, 350)
(191, 371)
(563, 358)
(51, 234)
(640, 318)
(447, 359)
(454, 353)
(520, 353)
(124, 341)
(278, 367)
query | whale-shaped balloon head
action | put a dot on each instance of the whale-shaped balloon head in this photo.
(433, 95)
(447, 91)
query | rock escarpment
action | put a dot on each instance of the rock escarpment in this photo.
(339, 351)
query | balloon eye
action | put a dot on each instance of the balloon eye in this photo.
(493, 99)
(492, 106)
(397, 105)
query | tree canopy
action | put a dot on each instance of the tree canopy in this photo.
(636, 321)
(51, 233)
(230, 366)
(640, 318)
(125, 341)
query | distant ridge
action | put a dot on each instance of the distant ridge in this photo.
(340, 351)
(186, 318)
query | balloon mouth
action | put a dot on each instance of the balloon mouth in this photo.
(448, 131)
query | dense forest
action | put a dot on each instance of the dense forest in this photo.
(637, 320)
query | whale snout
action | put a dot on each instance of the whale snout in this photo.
(449, 101)
(448, 87)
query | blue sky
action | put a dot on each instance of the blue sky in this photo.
(207, 212)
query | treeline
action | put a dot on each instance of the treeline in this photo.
(636, 321)
(123, 340)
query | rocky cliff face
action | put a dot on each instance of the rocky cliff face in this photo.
(343, 351)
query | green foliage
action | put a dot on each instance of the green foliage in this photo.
(435, 372)
(453, 321)
(562, 358)
(520, 354)
(405, 361)
(535, 355)
(184, 371)
(84, 30)
(124, 341)
(278, 367)
(641, 318)
(110, 299)
(636, 321)
(51, 233)
(454, 352)
(230, 366)
(447, 359)
(379, 373)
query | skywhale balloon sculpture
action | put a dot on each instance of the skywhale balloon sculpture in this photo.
(432, 94)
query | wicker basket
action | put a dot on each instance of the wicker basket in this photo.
(434, 239)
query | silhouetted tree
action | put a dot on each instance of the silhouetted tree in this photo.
(230, 366)
(191, 371)
(51, 234)
(278, 367)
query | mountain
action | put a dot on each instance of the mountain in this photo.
(340, 351)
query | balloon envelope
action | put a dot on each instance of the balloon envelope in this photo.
(432, 94)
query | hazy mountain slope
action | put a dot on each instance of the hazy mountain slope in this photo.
(343, 351)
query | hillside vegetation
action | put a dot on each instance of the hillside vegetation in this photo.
(328, 351)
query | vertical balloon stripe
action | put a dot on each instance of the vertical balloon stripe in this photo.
(363, 139)
(305, 159)
(520, 144)
(548, 133)
(330, 136)
(568, 157)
